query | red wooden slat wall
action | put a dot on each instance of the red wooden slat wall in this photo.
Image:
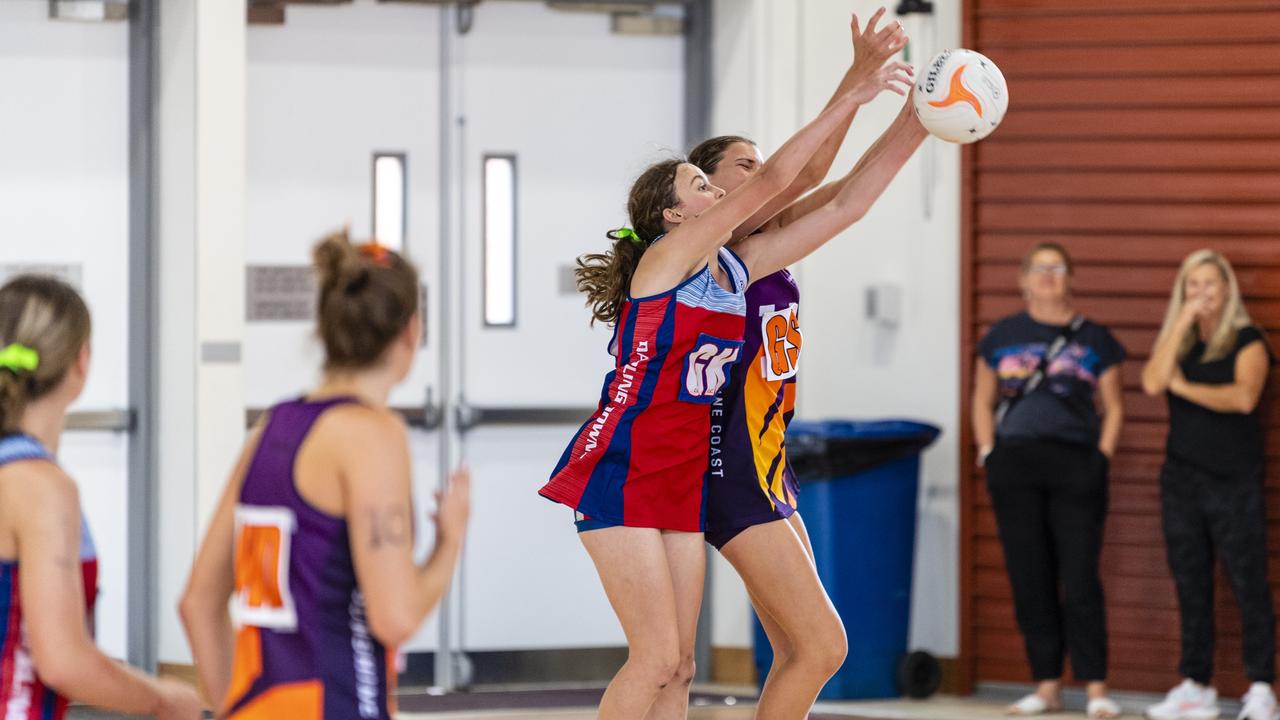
(1138, 131)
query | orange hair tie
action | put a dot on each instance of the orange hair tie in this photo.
(378, 254)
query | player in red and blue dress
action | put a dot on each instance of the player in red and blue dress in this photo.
(636, 472)
(313, 539)
(48, 563)
(641, 460)
(21, 690)
(752, 492)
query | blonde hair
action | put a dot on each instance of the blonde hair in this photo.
(48, 316)
(1234, 316)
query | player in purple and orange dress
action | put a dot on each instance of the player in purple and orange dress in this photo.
(48, 565)
(313, 539)
(751, 499)
(635, 472)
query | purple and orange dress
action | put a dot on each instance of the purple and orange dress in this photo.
(750, 482)
(22, 695)
(303, 646)
(641, 459)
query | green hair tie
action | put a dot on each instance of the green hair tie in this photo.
(17, 357)
(626, 233)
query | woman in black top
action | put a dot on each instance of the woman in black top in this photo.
(1212, 362)
(1047, 450)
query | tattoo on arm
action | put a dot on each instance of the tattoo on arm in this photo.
(391, 526)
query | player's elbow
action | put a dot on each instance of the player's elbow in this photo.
(392, 626)
(191, 608)
(849, 210)
(60, 665)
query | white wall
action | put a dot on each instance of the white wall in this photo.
(584, 111)
(325, 91)
(333, 85)
(64, 183)
(777, 63)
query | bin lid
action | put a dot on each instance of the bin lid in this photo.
(822, 450)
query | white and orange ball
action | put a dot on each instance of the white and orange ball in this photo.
(961, 96)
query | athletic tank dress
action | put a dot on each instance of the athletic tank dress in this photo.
(303, 647)
(22, 695)
(641, 459)
(749, 481)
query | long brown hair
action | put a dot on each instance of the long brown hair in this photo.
(606, 277)
(708, 153)
(48, 316)
(368, 294)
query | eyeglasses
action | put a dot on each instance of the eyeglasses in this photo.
(1048, 269)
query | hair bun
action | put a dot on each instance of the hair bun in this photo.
(356, 280)
(337, 262)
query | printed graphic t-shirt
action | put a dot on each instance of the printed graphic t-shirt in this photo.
(1062, 408)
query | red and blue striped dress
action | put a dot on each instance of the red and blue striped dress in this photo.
(22, 695)
(641, 460)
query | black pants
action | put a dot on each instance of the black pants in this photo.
(1050, 502)
(1207, 515)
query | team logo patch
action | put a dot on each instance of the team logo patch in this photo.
(781, 340)
(264, 538)
(706, 368)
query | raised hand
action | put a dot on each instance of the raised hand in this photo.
(1192, 308)
(872, 47)
(895, 77)
(453, 506)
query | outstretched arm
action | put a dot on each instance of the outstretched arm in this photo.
(769, 252)
(692, 241)
(872, 48)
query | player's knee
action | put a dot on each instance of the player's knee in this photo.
(656, 666)
(823, 653)
(685, 670)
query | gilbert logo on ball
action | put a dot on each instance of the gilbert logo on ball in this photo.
(962, 96)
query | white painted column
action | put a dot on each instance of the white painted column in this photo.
(201, 199)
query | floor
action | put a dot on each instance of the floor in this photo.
(940, 708)
(730, 708)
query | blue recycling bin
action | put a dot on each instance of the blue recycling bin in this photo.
(859, 483)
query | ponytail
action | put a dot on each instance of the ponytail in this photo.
(605, 277)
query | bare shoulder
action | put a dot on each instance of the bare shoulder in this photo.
(35, 483)
(363, 427)
(31, 490)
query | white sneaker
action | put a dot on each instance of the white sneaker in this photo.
(1188, 701)
(1259, 703)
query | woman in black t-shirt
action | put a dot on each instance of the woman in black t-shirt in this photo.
(1211, 362)
(1047, 450)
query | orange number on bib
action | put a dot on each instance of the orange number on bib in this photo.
(782, 340)
(264, 537)
(258, 567)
